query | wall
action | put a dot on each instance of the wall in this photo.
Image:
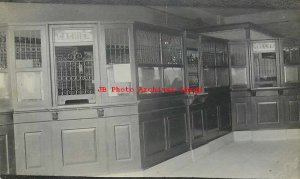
(33, 12)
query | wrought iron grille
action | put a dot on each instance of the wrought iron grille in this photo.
(147, 47)
(3, 52)
(75, 70)
(28, 48)
(117, 46)
(171, 49)
(221, 54)
(208, 54)
(238, 54)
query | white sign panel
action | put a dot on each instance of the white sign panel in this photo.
(260, 47)
(84, 35)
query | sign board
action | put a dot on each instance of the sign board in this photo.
(76, 35)
(260, 47)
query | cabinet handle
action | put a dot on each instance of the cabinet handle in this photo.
(100, 112)
(55, 116)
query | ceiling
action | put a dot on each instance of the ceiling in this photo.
(266, 4)
(280, 16)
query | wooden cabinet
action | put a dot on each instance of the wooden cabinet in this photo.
(163, 135)
(33, 148)
(123, 143)
(292, 110)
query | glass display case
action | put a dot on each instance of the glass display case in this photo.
(159, 59)
(215, 62)
(265, 62)
(291, 61)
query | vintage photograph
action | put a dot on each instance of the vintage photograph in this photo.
(149, 88)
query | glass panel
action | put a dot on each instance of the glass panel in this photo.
(4, 91)
(173, 78)
(118, 60)
(147, 47)
(29, 86)
(117, 46)
(3, 52)
(265, 69)
(209, 77)
(222, 77)
(119, 77)
(291, 74)
(197, 124)
(238, 54)
(150, 77)
(28, 49)
(239, 76)
(208, 54)
(221, 54)
(75, 70)
(193, 69)
(171, 49)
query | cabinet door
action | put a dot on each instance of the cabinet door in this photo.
(123, 143)
(197, 127)
(30, 67)
(224, 116)
(292, 110)
(267, 112)
(6, 150)
(211, 117)
(241, 113)
(79, 147)
(33, 149)
(177, 132)
(153, 136)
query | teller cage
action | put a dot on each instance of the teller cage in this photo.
(59, 115)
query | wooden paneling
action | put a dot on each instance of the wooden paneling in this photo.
(154, 136)
(163, 135)
(224, 116)
(33, 149)
(177, 130)
(79, 147)
(6, 150)
(292, 110)
(241, 113)
(267, 112)
(123, 143)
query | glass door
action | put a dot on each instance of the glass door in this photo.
(265, 64)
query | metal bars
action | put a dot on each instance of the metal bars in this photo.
(75, 70)
(117, 46)
(28, 49)
(147, 47)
